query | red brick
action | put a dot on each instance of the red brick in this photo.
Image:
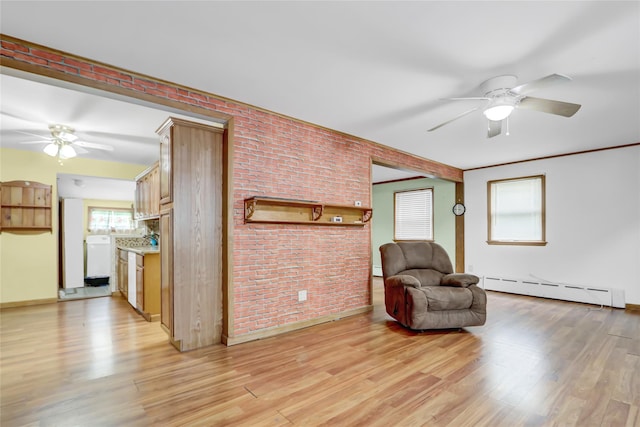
(14, 47)
(29, 58)
(46, 55)
(77, 64)
(111, 73)
(64, 68)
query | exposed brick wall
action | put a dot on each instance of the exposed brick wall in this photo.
(276, 156)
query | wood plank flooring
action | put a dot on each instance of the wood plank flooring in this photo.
(535, 363)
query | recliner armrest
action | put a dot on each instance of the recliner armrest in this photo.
(402, 280)
(462, 280)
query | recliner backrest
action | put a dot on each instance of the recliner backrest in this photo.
(398, 257)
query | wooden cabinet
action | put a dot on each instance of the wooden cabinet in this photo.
(147, 197)
(148, 285)
(191, 186)
(287, 211)
(123, 272)
(25, 205)
(166, 185)
(166, 269)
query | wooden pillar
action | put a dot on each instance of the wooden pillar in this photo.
(459, 230)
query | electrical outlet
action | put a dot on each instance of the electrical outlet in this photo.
(302, 295)
(470, 268)
(357, 203)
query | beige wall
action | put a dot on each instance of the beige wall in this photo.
(29, 260)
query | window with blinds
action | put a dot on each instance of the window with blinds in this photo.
(413, 215)
(517, 211)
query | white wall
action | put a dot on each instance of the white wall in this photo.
(592, 222)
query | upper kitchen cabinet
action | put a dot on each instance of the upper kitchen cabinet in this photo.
(147, 198)
(191, 223)
(165, 164)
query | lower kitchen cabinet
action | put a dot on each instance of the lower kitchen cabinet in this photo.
(148, 285)
(123, 274)
(144, 292)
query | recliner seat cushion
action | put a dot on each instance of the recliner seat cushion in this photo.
(447, 298)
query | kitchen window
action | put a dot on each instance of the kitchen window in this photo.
(516, 211)
(110, 219)
(413, 215)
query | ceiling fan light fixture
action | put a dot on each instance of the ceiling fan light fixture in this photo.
(67, 152)
(498, 112)
(66, 136)
(51, 149)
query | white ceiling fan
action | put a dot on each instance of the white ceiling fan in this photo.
(63, 143)
(502, 96)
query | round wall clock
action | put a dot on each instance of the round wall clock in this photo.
(459, 209)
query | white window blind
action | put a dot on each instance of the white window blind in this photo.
(517, 210)
(413, 218)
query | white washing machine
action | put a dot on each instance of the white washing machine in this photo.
(98, 256)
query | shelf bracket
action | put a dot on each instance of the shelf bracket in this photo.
(317, 212)
(249, 208)
(366, 215)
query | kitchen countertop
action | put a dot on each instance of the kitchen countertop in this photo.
(142, 250)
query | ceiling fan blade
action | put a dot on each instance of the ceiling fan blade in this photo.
(44, 138)
(79, 150)
(544, 82)
(459, 116)
(473, 98)
(93, 145)
(550, 106)
(44, 141)
(494, 128)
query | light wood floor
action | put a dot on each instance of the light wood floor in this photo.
(535, 363)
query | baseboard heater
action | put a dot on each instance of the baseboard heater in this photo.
(576, 293)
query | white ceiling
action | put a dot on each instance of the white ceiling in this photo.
(376, 70)
(72, 186)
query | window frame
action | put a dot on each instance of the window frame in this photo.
(430, 218)
(543, 213)
(90, 209)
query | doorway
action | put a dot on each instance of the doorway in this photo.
(157, 113)
(86, 253)
(385, 181)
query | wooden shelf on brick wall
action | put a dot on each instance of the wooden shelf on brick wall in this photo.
(287, 211)
(25, 205)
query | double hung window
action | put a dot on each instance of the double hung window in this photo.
(516, 211)
(413, 215)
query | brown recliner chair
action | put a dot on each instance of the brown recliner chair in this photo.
(422, 292)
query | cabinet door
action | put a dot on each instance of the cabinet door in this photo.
(137, 202)
(145, 196)
(166, 269)
(154, 192)
(119, 271)
(165, 166)
(140, 288)
(140, 282)
(124, 272)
